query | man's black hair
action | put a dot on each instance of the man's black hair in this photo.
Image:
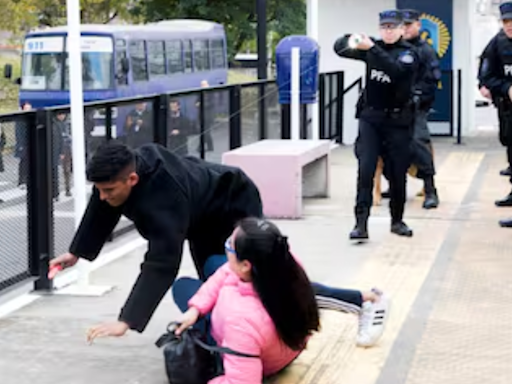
(109, 162)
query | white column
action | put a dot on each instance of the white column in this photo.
(77, 118)
(78, 140)
(464, 58)
(312, 25)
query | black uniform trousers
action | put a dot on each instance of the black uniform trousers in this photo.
(421, 154)
(505, 121)
(208, 238)
(390, 139)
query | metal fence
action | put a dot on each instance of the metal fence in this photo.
(16, 200)
(36, 165)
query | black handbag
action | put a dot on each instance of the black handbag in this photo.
(188, 358)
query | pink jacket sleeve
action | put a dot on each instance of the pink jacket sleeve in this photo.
(297, 259)
(206, 297)
(240, 336)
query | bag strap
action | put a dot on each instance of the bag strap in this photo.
(170, 335)
(222, 350)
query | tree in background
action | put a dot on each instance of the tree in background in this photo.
(19, 16)
(53, 12)
(238, 17)
(285, 17)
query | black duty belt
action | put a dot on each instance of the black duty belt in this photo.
(387, 110)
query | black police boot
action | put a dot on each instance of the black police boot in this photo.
(507, 223)
(398, 226)
(401, 229)
(506, 202)
(360, 231)
(506, 172)
(431, 199)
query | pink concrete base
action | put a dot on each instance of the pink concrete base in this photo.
(276, 166)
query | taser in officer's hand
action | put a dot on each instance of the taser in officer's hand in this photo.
(354, 40)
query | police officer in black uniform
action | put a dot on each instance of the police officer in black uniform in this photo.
(385, 116)
(429, 75)
(495, 82)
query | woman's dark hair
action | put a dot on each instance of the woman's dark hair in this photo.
(281, 283)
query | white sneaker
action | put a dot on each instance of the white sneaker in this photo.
(372, 320)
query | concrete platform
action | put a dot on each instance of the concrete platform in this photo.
(450, 286)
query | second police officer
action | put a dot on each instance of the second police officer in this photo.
(495, 82)
(429, 75)
(385, 115)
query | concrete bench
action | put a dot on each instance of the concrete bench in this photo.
(285, 171)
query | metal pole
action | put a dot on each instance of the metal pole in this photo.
(262, 39)
(459, 107)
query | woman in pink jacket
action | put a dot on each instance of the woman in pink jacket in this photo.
(261, 303)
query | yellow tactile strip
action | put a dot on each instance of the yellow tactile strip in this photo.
(399, 266)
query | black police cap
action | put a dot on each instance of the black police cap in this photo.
(410, 15)
(506, 10)
(391, 17)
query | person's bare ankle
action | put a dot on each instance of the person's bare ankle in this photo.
(370, 296)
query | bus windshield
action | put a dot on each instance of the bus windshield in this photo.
(46, 67)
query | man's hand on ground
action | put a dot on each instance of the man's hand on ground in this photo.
(111, 329)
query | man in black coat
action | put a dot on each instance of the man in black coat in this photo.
(169, 198)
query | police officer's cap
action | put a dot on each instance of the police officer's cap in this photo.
(506, 10)
(391, 17)
(410, 15)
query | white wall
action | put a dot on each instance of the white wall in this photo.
(464, 57)
(336, 18)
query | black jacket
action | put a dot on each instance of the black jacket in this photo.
(429, 73)
(495, 71)
(390, 72)
(174, 198)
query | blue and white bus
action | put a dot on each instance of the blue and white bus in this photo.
(122, 61)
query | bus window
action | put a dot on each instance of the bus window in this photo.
(97, 63)
(174, 57)
(121, 75)
(217, 53)
(138, 58)
(187, 54)
(201, 55)
(156, 58)
(42, 71)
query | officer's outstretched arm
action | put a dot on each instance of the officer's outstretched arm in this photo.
(406, 64)
(342, 49)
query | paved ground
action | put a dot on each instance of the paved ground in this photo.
(450, 286)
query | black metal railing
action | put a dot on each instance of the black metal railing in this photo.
(36, 166)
